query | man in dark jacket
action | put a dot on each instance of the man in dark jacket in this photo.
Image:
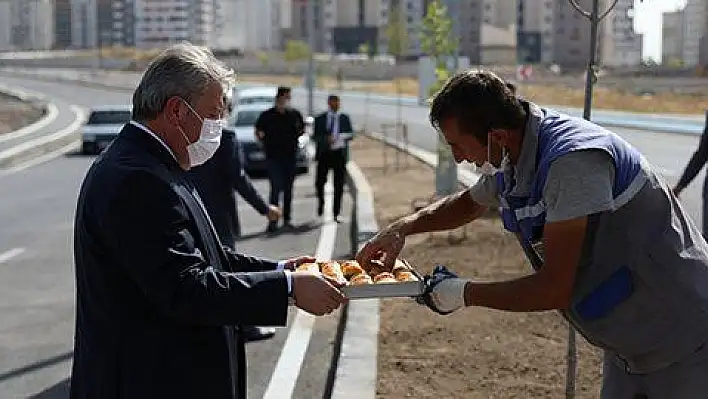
(694, 166)
(332, 133)
(278, 129)
(157, 293)
(216, 181)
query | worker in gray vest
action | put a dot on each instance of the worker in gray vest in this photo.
(612, 249)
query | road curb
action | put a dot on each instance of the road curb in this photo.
(34, 99)
(30, 149)
(355, 376)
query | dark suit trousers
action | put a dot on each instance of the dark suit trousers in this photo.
(281, 173)
(335, 160)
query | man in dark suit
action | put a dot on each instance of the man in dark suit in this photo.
(278, 129)
(216, 181)
(332, 133)
(158, 296)
(694, 166)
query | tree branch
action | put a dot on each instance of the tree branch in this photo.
(582, 12)
(614, 3)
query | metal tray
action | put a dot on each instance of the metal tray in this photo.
(386, 290)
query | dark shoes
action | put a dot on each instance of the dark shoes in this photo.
(253, 333)
(272, 227)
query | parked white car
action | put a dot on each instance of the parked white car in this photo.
(102, 127)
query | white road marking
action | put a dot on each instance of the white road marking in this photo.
(7, 255)
(79, 116)
(282, 381)
(52, 113)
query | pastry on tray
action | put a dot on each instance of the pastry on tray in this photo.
(385, 277)
(333, 270)
(400, 266)
(361, 279)
(405, 276)
(351, 268)
(308, 267)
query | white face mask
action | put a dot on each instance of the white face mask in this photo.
(209, 139)
(487, 169)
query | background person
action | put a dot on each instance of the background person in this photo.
(332, 152)
(279, 128)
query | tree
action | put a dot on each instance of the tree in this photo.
(436, 40)
(295, 50)
(397, 33)
(263, 58)
(438, 43)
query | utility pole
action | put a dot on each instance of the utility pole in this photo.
(310, 60)
(595, 18)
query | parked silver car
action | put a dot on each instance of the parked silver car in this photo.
(102, 126)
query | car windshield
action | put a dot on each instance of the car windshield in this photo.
(109, 117)
(246, 118)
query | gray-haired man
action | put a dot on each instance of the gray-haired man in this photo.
(157, 294)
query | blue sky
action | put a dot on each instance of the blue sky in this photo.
(648, 22)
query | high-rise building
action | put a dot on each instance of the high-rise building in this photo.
(6, 25)
(62, 24)
(672, 36)
(159, 23)
(620, 45)
(535, 31)
(115, 23)
(32, 24)
(84, 24)
(696, 22)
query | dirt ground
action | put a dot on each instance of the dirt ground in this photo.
(543, 94)
(15, 114)
(476, 352)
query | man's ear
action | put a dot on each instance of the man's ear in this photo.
(173, 110)
(500, 137)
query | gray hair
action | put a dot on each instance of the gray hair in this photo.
(182, 70)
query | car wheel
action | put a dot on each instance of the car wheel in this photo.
(88, 148)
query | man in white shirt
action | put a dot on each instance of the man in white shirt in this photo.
(333, 130)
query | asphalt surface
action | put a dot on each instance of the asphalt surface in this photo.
(36, 267)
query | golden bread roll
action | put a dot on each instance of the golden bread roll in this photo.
(351, 268)
(361, 279)
(385, 277)
(308, 267)
(333, 270)
(399, 266)
(403, 276)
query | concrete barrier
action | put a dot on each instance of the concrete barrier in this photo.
(355, 375)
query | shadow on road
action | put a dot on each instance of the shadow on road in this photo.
(36, 366)
(58, 391)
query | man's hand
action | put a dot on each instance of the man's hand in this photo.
(315, 294)
(330, 139)
(292, 264)
(260, 135)
(445, 292)
(274, 213)
(387, 243)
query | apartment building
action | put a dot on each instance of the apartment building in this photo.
(695, 29)
(62, 24)
(261, 24)
(32, 24)
(500, 13)
(115, 23)
(535, 31)
(6, 25)
(672, 37)
(620, 45)
(571, 39)
(84, 25)
(159, 23)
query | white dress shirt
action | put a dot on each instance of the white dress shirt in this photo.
(281, 264)
(337, 139)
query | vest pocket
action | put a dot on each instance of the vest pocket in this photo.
(607, 296)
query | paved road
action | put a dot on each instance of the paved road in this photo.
(36, 269)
